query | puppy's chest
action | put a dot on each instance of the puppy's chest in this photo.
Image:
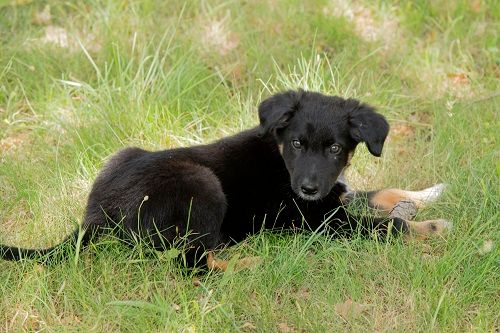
(298, 213)
(276, 210)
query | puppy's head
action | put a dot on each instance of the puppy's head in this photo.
(317, 135)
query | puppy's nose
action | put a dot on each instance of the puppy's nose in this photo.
(309, 189)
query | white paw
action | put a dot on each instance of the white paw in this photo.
(430, 194)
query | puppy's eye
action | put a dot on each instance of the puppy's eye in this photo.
(335, 149)
(296, 144)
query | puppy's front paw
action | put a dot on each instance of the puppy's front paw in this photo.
(430, 228)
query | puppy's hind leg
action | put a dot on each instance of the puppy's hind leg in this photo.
(385, 200)
(223, 265)
(185, 208)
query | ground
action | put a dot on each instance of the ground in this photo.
(80, 80)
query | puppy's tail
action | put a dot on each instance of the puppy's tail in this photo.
(16, 253)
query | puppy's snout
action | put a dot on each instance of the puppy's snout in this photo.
(309, 189)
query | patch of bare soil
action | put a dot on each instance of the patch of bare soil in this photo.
(457, 84)
(25, 320)
(368, 24)
(13, 142)
(60, 37)
(217, 37)
(44, 16)
(349, 309)
(437, 81)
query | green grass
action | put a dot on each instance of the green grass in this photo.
(162, 74)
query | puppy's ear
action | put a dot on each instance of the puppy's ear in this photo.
(276, 111)
(367, 126)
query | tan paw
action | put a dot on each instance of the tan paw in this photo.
(430, 228)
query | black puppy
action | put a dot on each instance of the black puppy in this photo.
(281, 174)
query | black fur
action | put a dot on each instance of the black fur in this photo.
(221, 192)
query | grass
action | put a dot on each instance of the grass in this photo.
(92, 77)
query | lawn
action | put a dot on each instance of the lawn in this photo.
(80, 80)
